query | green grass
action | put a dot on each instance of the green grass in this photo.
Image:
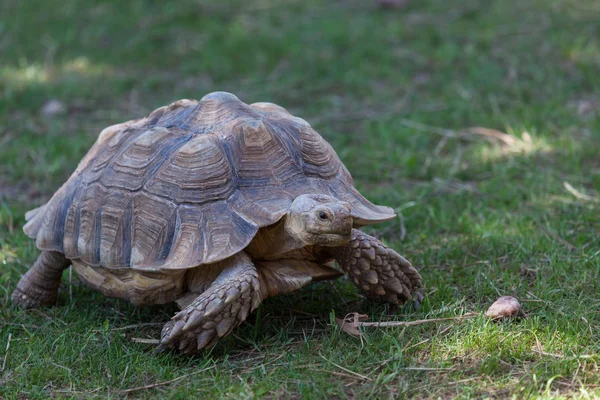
(394, 92)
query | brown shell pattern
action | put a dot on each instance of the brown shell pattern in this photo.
(190, 184)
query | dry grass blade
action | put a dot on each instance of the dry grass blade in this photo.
(356, 374)
(449, 133)
(24, 326)
(577, 193)
(470, 134)
(402, 226)
(154, 385)
(537, 349)
(492, 135)
(6, 353)
(556, 237)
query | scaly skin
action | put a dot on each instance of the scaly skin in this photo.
(383, 274)
(213, 314)
(39, 286)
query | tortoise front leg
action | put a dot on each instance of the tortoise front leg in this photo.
(213, 314)
(383, 274)
(39, 286)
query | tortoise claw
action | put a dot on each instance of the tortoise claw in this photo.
(417, 300)
(161, 348)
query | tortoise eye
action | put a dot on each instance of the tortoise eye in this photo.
(323, 216)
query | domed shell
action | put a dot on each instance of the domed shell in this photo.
(190, 184)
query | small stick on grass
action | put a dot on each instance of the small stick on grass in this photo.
(142, 325)
(388, 324)
(154, 385)
(146, 341)
(426, 369)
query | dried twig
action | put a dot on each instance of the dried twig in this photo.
(351, 323)
(143, 340)
(387, 324)
(154, 385)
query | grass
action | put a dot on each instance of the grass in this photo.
(395, 92)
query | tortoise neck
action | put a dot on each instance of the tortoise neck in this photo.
(274, 240)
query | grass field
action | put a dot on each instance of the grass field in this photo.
(512, 209)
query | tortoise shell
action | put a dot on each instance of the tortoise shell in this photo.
(190, 184)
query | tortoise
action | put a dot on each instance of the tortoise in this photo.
(215, 205)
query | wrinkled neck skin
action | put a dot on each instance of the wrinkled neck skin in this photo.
(273, 241)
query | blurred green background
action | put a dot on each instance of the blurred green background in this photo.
(478, 121)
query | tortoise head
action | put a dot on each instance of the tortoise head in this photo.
(318, 219)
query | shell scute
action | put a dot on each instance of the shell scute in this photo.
(198, 172)
(262, 159)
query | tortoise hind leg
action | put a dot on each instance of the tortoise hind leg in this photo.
(39, 286)
(225, 304)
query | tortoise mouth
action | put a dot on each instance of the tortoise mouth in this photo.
(330, 239)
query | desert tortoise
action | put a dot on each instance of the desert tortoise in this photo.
(214, 204)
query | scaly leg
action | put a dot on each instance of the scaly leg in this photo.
(39, 286)
(213, 314)
(382, 273)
